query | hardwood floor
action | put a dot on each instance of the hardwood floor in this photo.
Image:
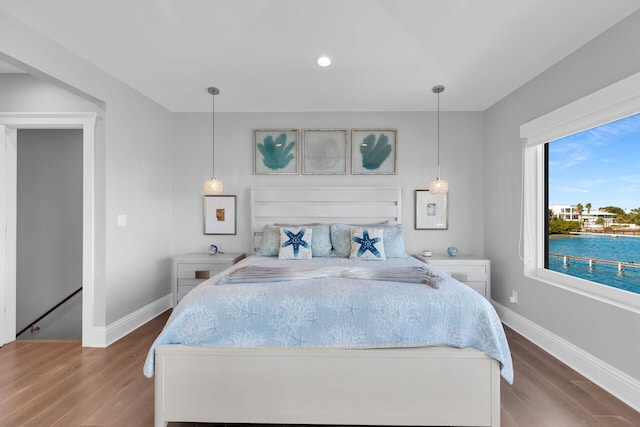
(59, 383)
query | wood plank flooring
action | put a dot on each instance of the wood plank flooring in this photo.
(59, 383)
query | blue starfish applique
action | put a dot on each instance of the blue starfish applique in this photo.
(295, 240)
(367, 244)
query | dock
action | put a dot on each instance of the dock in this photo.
(593, 261)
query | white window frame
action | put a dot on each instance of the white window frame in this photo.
(621, 99)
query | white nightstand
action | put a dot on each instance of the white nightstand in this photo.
(190, 269)
(470, 270)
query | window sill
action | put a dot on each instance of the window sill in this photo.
(603, 293)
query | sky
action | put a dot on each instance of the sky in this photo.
(600, 166)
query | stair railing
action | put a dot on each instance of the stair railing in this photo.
(31, 327)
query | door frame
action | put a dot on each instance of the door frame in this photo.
(9, 125)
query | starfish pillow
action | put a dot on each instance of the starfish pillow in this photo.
(295, 243)
(367, 244)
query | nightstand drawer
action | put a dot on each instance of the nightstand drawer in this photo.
(190, 282)
(479, 287)
(470, 273)
(184, 290)
(189, 270)
(200, 271)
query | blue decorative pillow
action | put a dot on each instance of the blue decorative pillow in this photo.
(367, 244)
(295, 243)
(320, 243)
(393, 239)
(270, 245)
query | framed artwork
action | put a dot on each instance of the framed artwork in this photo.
(432, 211)
(374, 151)
(324, 151)
(275, 151)
(219, 214)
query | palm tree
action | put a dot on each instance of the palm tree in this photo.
(588, 206)
(579, 208)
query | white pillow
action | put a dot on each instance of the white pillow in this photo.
(367, 244)
(295, 243)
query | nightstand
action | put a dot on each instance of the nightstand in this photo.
(472, 271)
(190, 269)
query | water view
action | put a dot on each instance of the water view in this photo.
(619, 248)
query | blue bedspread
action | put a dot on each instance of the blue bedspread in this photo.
(331, 312)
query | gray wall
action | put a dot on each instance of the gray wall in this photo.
(609, 333)
(49, 233)
(461, 132)
(132, 168)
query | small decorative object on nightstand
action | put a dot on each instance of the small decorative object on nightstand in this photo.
(472, 271)
(213, 249)
(452, 251)
(190, 269)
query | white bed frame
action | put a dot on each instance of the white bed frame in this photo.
(411, 386)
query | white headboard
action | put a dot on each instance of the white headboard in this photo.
(303, 205)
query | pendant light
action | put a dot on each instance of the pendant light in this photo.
(438, 186)
(213, 186)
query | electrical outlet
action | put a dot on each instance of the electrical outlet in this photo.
(514, 297)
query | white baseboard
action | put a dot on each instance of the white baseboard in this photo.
(105, 336)
(616, 382)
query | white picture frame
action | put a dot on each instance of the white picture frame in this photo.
(220, 214)
(432, 211)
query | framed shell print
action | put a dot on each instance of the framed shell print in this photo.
(324, 151)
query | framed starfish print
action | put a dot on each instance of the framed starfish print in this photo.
(432, 211)
(275, 151)
(219, 214)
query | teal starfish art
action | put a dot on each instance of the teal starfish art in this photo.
(295, 240)
(367, 244)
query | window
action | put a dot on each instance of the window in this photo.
(618, 101)
(596, 171)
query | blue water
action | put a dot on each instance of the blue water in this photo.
(625, 249)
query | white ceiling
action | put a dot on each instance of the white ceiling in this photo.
(387, 54)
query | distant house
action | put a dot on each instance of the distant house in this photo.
(566, 212)
(589, 219)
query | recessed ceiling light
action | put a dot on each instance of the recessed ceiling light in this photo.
(323, 61)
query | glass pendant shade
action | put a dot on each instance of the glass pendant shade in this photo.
(212, 187)
(439, 186)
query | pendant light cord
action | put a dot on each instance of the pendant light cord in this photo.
(213, 91)
(438, 136)
(213, 135)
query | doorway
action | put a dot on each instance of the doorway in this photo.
(49, 234)
(9, 125)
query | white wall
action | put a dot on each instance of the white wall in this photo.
(417, 151)
(49, 229)
(606, 332)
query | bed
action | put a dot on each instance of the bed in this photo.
(412, 375)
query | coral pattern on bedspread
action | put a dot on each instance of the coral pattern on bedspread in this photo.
(335, 312)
